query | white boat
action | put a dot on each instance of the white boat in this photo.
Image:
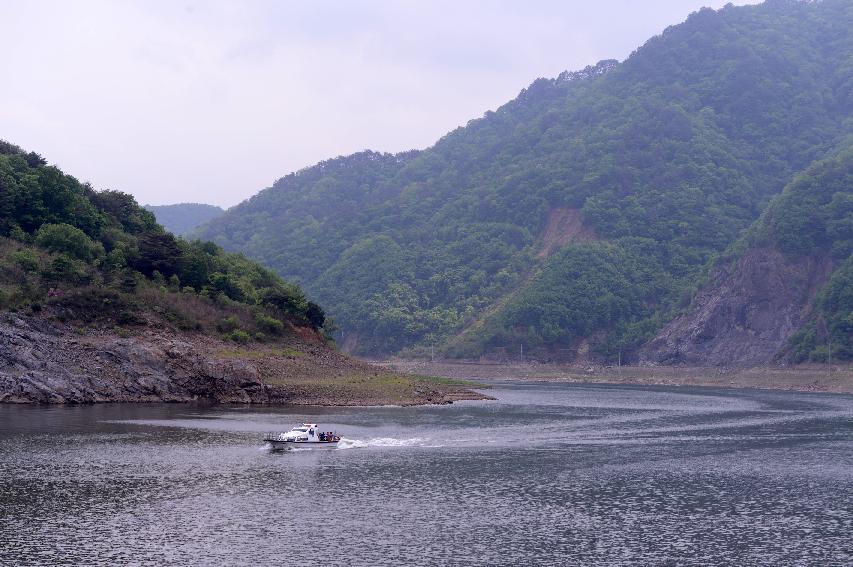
(306, 435)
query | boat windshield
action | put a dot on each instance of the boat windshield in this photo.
(302, 429)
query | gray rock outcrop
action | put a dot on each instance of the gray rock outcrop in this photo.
(42, 362)
(745, 315)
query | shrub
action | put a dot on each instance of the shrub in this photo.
(238, 336)
(315, 315)
(121, 332)
(269, 324)
(92, 304)
(129, 281)
(64, 269)
(228, 324)
(70, 240)
(17, 233)
(26, 259)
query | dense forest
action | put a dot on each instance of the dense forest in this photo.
(90, 256)
(665, 159)
(182, 218)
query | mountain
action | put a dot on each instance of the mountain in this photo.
(579, 218)
(785, 289)
(183, 218)
(100, 303)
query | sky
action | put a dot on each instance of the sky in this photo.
(212, 101)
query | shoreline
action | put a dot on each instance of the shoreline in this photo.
(802, 378)
(46, 362)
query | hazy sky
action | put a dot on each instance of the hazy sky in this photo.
(212, 101)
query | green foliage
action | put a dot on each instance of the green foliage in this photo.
(70, 240)
(587, 288)
(680, 147)
(228, 324)
(831, 324)
(814, 214)
(26, 259)
(238, 336)
(64, 270)
(269, 325)
(72, 236)
(158, 252)
(123, 209)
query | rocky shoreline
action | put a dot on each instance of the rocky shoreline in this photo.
(43, 361)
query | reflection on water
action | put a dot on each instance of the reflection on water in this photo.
(549, 474)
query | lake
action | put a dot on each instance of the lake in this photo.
(549, 474)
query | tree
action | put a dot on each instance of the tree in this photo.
(70, 240)
(158, 251)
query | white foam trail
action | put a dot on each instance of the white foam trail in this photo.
(378, 442)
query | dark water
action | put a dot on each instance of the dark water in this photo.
(549, 475)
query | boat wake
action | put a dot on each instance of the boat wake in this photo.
(346, 443)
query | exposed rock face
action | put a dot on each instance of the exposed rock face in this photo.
(41, 363)
(745, 315)
(47, 362)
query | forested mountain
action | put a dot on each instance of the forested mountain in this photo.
(183, 218)
(581, 214)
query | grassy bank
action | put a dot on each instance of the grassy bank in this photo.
(807, 378)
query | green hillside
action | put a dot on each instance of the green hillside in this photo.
(183, 218)
(814, 216)
(91, 256)
(662, 161)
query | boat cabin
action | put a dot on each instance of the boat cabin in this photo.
(305, 433)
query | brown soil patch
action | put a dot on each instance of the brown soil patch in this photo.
(564, 226)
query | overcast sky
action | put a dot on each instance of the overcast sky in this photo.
(212, 101)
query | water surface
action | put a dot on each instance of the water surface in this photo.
(550, 474)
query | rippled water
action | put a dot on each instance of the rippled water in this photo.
(550, 474)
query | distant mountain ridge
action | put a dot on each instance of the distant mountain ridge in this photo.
(667, 157)
(183, 218)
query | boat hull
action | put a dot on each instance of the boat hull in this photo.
(289, 444)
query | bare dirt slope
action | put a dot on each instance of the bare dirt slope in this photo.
(564, 226)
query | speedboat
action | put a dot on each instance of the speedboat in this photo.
(306, 435)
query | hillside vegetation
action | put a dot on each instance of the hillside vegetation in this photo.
(814, 217)
(666, 158)
(96, 256)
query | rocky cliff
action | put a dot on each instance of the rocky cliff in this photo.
(44, 361)
(745, 314)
